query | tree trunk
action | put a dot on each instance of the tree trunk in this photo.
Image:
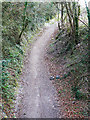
(62, 13)
(24, 27)
(58, 5)
(69, 16)
(76, 24)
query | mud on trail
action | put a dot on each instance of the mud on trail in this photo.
(38, 98)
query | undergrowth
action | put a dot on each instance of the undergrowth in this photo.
(11, 69)
(75, 61)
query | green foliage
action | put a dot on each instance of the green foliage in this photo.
(78, 94)
(19, 18)
(60, 91)
(22, 17)
(66, 75)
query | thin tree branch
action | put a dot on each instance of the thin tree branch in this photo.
(82, 22)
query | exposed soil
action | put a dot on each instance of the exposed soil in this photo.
(37, 96)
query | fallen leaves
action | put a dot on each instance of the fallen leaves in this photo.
(68, 105)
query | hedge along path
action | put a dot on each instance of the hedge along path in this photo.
(39, 95)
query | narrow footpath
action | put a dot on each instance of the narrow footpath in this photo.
(39, 95)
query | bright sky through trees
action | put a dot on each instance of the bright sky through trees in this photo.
(82, 2)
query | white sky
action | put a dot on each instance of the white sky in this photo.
(82, 2)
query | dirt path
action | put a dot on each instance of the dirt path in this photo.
(38, 99)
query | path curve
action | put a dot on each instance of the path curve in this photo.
(38, 92)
